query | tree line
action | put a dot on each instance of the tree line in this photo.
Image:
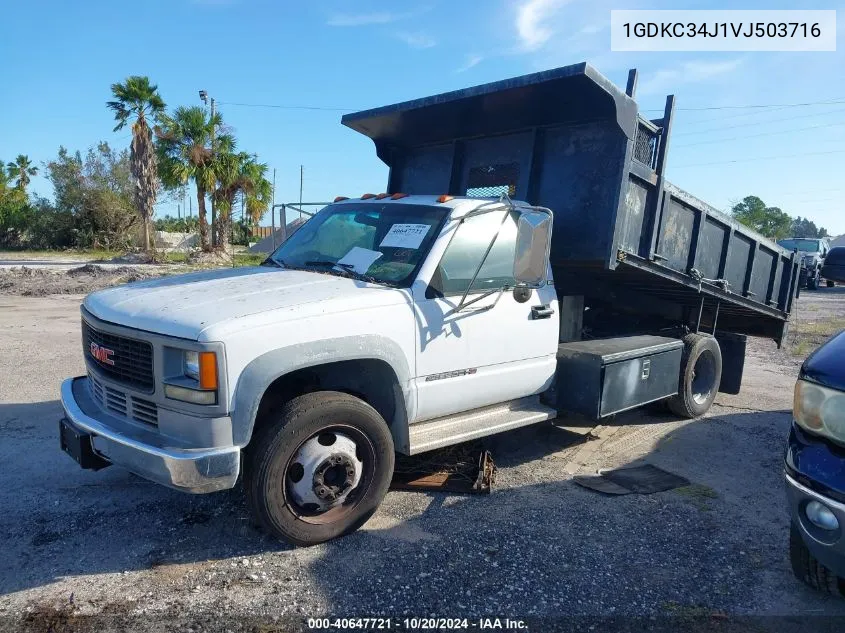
(102, 198)
(774, 222)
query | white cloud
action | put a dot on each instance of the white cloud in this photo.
(693, 71)
(364, 19)
(416, 40)
(375, 17)
(533, 22)
(471, 61)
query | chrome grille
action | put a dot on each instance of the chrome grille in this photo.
(131, 360)
(117, 402)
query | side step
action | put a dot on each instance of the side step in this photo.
(470, 425)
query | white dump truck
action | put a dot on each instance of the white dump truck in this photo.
(441, 311)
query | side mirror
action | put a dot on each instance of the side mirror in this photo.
(533, 240)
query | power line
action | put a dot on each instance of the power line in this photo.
(744, 136)
(732, 127)
(734, 116)
(286, 107)
(751, 160)
(702, 109)
(763, 105)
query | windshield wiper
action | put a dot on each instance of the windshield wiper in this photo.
(347, 268)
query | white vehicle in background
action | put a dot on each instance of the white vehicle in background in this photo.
(812, 252)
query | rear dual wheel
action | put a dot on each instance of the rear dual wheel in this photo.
(701, 373)
(320, 469)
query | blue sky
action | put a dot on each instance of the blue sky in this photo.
(60, 58)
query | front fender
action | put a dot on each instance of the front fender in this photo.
(262, 371)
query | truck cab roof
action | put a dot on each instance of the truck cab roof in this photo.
(459, 205)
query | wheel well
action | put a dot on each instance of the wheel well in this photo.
(371, 380)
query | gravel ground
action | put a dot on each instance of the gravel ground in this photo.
(128, 553)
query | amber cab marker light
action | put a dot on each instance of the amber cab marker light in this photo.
(208, 370)
(398, 196)
(445, 198)
(341, 199)
(382, 196)
(367, 196)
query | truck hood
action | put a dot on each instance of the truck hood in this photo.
(825, 366)
(186, 305)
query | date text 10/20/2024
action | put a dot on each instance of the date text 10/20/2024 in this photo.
(417, 624)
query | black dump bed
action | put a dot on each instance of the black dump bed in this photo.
(570, 140)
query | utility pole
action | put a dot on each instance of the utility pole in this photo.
(214, 236)
(300, 188)
(273, 211)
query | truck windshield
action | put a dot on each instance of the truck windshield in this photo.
(806, 246)
(383, 243)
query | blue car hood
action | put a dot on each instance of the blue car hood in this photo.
(826, 365)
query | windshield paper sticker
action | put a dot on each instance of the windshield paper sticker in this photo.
(360, 259)
(405, 236)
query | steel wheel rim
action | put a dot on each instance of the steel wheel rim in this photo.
(703, 377)
(330, 474)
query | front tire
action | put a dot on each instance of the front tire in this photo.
(810, 571)
(701, 373)
(813, 283)
(830, 284)
(320, 469)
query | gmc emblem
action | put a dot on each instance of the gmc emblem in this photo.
(102, 354)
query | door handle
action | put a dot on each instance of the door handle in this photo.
(542, 312)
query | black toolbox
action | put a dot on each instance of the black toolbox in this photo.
(600, 377)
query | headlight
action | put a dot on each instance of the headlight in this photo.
(192, 365)
(199, 381)
(820, 410)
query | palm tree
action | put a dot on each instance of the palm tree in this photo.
(260, 194)
(239, 174)
(21, 169)
(137, 97)
(184, 142)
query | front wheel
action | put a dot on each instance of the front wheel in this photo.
(701, 373)
(813, 283)
(320, 469)
(808, 570)
(830, 284)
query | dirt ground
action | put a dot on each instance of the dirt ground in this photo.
(86, 551)
(43, 281)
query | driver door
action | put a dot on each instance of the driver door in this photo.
(492, 351)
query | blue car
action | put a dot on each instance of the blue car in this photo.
(815, 470)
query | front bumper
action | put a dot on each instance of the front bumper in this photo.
(826, 546)
(145, 452)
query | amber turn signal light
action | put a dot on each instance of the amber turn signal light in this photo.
(398, 196)
(341, 199)
(208, 370)
(445, 198)
(367, 196)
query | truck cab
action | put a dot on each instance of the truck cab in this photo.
(396, 313)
